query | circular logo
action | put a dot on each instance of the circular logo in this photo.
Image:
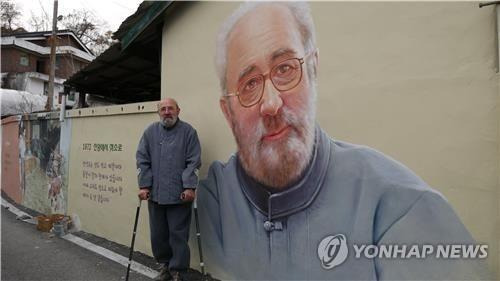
(332, 251)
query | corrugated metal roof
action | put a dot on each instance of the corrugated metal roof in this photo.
(148, 16)
(122, 76)
(130, 74)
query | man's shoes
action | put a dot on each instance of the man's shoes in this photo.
(164, 275)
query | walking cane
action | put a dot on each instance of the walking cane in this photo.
(133, 238)
(198, 236)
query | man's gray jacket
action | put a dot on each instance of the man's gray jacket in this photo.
(168, 160)
(349, 196)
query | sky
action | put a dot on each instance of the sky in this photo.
(114, 12)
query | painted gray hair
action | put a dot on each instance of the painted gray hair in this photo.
(299, 10)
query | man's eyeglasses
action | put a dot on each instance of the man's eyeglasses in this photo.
(285, 76)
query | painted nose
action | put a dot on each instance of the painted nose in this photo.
(271, 100)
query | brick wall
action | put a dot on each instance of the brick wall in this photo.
(67, 40)
(11, 61)
(67, 66)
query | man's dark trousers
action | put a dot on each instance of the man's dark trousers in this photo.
(169, 225)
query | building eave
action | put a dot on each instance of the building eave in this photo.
(21, 43)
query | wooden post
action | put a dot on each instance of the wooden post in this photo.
(52, 73)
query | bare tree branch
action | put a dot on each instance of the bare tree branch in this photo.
(39, 23)
(89, 29)
(10, 15)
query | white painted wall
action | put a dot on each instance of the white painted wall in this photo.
(35, 86)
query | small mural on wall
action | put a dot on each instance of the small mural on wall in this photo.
(42, 166)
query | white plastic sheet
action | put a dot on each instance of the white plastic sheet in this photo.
(18, 102)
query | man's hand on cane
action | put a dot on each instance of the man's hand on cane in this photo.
(143, 193)
(187, 195)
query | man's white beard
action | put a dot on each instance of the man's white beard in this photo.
(278, 164)
(169, 121)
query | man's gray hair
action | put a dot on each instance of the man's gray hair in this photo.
(299, 10)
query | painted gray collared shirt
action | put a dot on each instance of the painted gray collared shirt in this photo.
(348, 191)
(168, 160)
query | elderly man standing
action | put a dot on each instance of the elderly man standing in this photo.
(295, 204)
(168, 159)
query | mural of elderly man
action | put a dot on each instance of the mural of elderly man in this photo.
(294, 204)
(53, 172)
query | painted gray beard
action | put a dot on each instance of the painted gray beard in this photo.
(280, 163)
(168, 122)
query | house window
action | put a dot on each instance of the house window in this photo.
(58, 62)
(24, 60)
(40, 66)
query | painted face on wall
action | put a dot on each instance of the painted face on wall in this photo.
(275, 136)
(168, 111)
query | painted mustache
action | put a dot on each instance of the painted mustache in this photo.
(274, 125)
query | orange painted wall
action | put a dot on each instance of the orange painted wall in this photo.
(11, 182)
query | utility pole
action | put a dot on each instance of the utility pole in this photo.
(52, 73)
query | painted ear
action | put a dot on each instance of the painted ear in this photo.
(316, 62)
(224, 106)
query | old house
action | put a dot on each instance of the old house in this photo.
(26, 60)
